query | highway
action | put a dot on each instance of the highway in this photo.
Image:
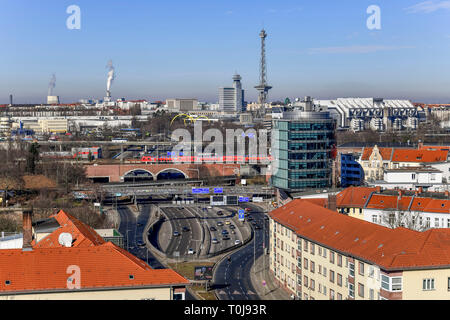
(232, 278)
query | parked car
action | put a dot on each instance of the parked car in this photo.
(226, 237)
(227, 222)
(237, 241)
(176, 233)
(191, 251)
(220, 223)
(212, 229)
(224, 232)
(232, 226)
(214, 240)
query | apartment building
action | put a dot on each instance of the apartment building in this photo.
(318, 254)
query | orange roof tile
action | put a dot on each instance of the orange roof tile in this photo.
(420, 156)
(385, 153)
(391, 249)
(354, 197)
(384, 202)
(82, 234)
(102, 266)
(323, 202)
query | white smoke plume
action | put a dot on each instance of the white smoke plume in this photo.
(110, 75)
(51, 85)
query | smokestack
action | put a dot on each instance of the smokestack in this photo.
(51, 85)
(110, 79)
(10, 99)
(27, 214)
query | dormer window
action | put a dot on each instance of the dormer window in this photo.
(131, 277)
(7, 282)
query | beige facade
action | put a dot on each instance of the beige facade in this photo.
(426, 284)
(373, 168)
(45, 125)
(124, 294)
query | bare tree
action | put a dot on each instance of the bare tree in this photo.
(407, 219)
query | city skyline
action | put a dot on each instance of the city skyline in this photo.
(176, 50)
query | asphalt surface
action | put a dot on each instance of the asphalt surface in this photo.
(134, 226)
(232, 278)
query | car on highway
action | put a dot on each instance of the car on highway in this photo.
(220, 213)
(224, 232)
(141, 244)
(185, 229)
(227, 222)
(214, 240)
(220, 223)
(176, 233)
(248, 209)
(232, 226)
(209, 207)
(237, 241)
(212, 229)
(250, 218)
(225, 237)
(233, 232)
(190, 251)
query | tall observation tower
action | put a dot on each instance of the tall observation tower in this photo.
(263, 87)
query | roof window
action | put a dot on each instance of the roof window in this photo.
(7, 282)
(380, 246)
(131, 277)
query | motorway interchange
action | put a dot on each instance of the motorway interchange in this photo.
(231, 278)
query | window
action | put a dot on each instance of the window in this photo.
(332, 255)
(436, 222)
(339, 260)
(324, 253)
(324, 290)
(312, 248)
(352, 269)
(339, 296)
(331, 294)
(391, 283)
(320, 269)
(305, 263)
(371, 294)
(371, 271)
(374, 218)
(331, 276)
(428, 222)
(339, 280)
(413, 176)
(361, 268)
(305, 245)
(448, 284)
(361, 290)
(320, 251)
(299, 244)
(324, 271)
(131, 277)
(312, 285)
(351, 290)
(305, 281)
(313, 267)
(428, 284)
(306, 296)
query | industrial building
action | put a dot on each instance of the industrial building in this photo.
(302, 147)
(231, 99)
(377, 114)
(182, 105)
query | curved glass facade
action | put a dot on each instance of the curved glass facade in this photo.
(302, 149)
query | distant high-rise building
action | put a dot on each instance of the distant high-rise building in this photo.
(231, 99)
(53, 100)
(302, 147)
(181, 105)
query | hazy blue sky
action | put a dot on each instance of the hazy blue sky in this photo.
(182, 48)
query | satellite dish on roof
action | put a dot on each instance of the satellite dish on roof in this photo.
(65, 239)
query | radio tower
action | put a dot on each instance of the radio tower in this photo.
(263, 87)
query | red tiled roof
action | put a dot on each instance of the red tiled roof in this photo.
(323, 202)
(385, 153)
(354, 197)
(383, 201)
(82, 234)
(391, 249)
(102, 266)
(420, 156)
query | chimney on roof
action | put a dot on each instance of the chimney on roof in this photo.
(378, 189)
(27, 214)
(331, 204)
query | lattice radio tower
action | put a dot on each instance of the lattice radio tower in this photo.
(263, 87)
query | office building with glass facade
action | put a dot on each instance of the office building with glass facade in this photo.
(302, 149)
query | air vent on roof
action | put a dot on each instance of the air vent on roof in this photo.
(380, 246)
(356, 239)
(336, 232)
(403, 252)
(7, 282)
(418, 203)
(443, 204)
(131, 277)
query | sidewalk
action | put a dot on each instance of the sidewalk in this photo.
(271, 291)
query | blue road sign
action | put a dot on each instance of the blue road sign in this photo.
(243, 199)
(200, 190)
(241, 214)
(218, 190)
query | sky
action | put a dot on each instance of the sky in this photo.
(188, 49)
